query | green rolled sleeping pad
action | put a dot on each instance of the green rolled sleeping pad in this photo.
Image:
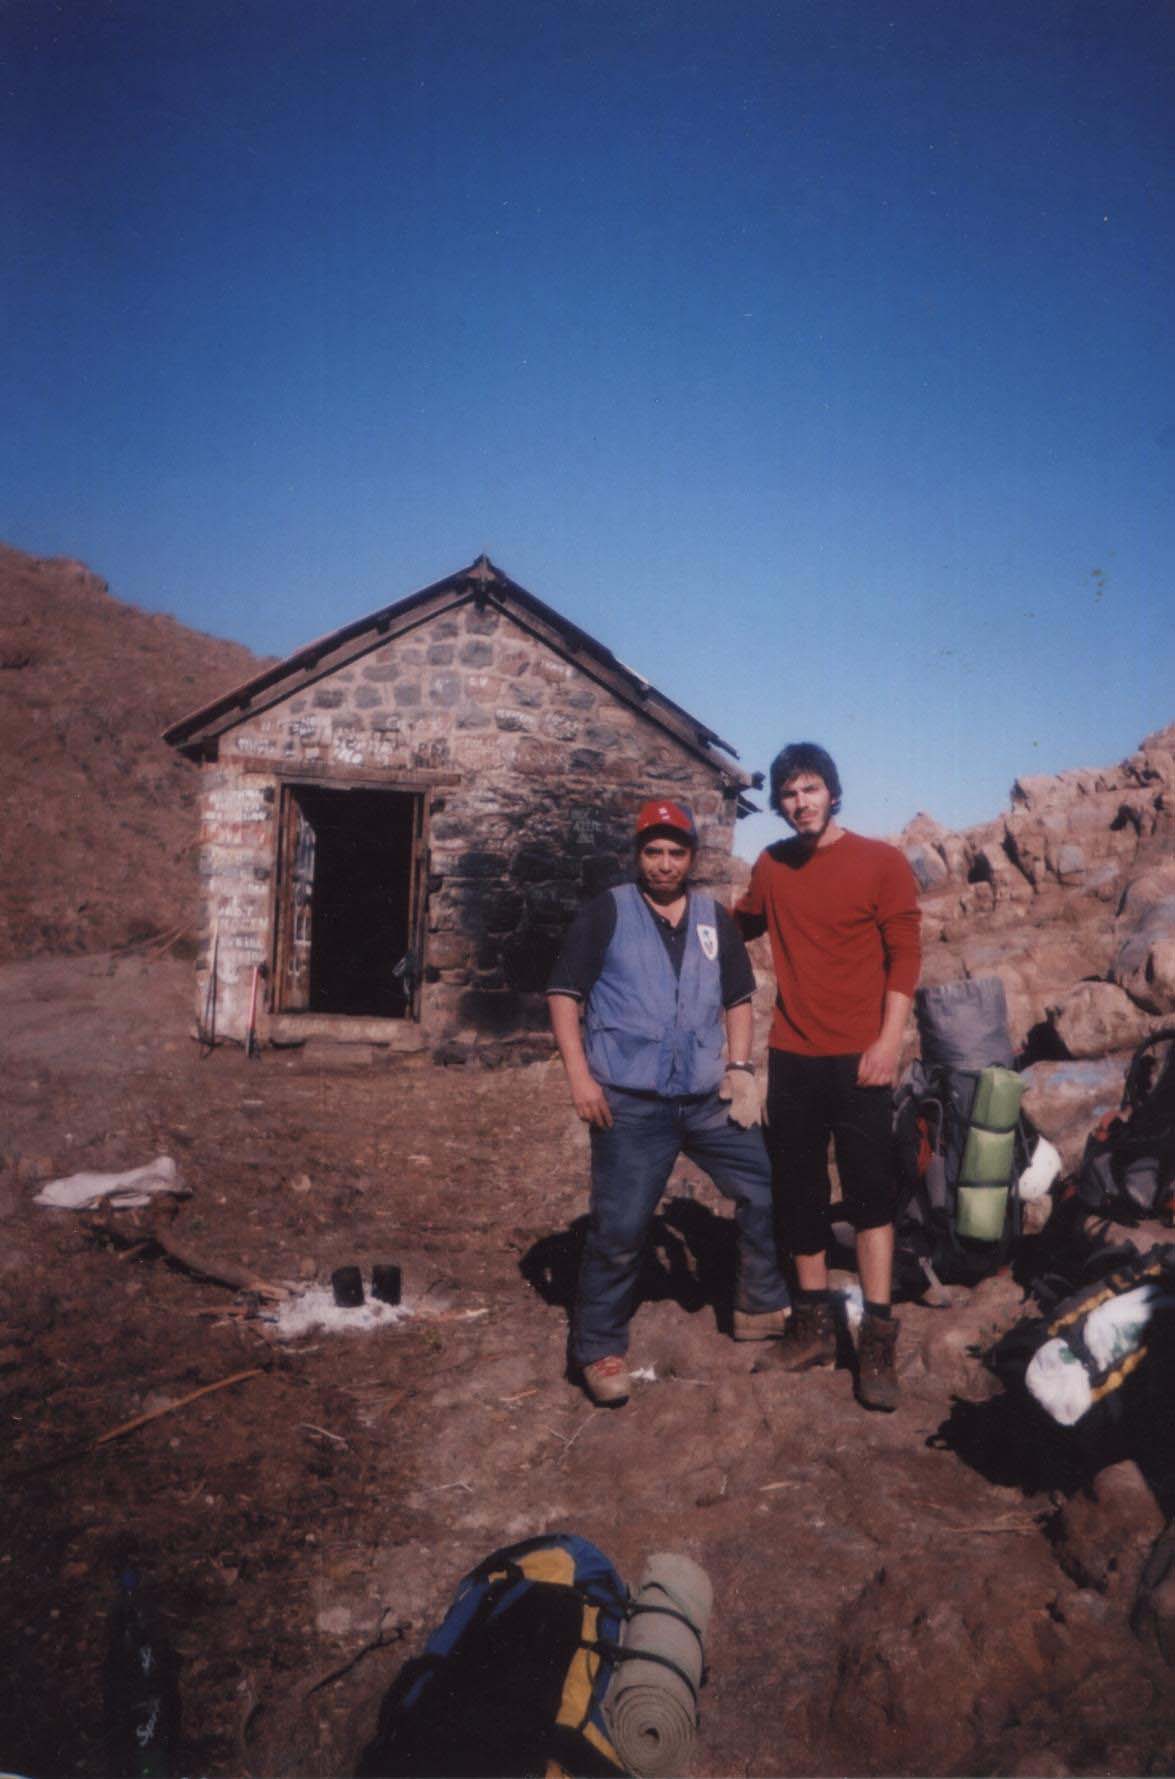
(985, 1174)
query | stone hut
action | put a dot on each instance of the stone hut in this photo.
(397, 822)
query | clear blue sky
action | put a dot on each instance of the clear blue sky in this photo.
(816, 356)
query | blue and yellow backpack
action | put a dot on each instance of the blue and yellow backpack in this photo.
(512, 1682)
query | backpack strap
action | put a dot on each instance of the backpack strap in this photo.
(672, 1612)
(929, 1105)
(618, 1653)
(1136, 1088)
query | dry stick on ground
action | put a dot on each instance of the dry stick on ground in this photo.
(152, 1414)
(379, 1641)
(222, 1272)
(167, 1408)
(133, 1252)
(569, 1441)
(1001, 1526)
(310, 1427)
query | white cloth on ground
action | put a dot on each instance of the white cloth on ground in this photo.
(125, 1191)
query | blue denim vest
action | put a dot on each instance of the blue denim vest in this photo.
(645, 1028)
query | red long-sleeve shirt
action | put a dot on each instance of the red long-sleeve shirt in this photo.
(844, 927)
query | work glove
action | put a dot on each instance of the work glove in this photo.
(739, 1088)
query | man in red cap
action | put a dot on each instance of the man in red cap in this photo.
(665, 985)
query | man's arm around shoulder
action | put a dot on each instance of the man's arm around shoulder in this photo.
(750, 910)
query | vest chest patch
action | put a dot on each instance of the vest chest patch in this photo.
(708, 940)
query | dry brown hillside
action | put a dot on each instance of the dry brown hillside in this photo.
(96, 811)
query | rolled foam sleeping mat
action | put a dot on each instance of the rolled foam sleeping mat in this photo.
(981, 1212)
(652, 1710)
(998, 1093)
(989, 1150)
(989, 1155)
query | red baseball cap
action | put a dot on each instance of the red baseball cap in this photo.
(676, 818)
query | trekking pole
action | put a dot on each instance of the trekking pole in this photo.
(208, 1033)
(252, 1047)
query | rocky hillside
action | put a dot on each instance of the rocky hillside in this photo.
(97, 813)
(1070, 899)
(1062, 897)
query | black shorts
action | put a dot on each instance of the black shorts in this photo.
(812, 1098)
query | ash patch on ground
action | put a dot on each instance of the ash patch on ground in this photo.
(314, 1309)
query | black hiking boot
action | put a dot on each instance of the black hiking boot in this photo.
(877, 1380)
(808, 1340)
(759, 1324)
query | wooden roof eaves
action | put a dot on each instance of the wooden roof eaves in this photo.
(194, 733)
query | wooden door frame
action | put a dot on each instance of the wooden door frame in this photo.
(420, 788)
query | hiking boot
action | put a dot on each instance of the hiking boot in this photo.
(877, 1380)
(808, 1340)
(606, 1381)
(760, 1324)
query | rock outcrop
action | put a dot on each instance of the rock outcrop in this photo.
(1069, 898)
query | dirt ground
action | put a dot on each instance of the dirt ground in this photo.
(892, 1594)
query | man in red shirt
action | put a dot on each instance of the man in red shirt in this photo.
(841, 913)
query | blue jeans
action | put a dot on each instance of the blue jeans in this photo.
(631, 1165)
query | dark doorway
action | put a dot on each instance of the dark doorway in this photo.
(348, 894)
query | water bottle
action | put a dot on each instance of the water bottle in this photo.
(142, 1697)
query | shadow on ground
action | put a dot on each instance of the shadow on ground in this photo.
(689, 1260)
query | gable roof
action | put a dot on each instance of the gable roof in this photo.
(482, 584)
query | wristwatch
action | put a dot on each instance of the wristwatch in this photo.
(747, 1068)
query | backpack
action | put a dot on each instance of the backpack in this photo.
(1129, 1161)
(960, 1141)
(1096, 1339)
(512, 1682)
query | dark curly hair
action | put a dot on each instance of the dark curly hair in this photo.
(804, 756)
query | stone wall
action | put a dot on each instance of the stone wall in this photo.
(533, 771)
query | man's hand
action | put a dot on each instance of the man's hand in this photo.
(739, 1088)
(588, 1098)
(878, 1066)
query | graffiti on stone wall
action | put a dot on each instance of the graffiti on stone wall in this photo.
(254, 746)
(348, 747)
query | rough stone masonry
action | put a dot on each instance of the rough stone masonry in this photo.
(530, 747)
